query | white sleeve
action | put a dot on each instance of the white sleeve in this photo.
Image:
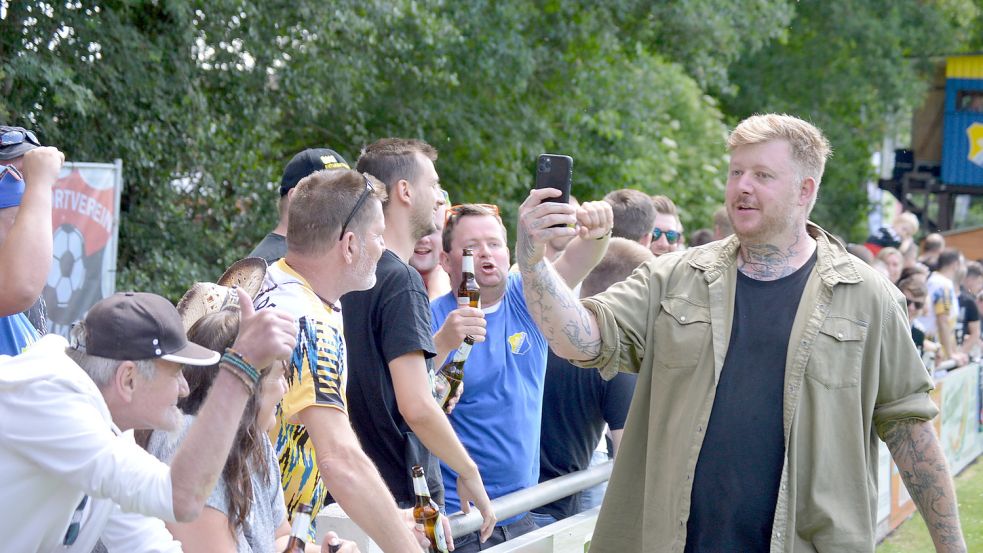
(64, 430)
(134, 533)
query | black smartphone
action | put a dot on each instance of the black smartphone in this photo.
(555, 171)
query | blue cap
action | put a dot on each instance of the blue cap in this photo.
(11, 186)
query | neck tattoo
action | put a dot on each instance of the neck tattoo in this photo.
(768, 261)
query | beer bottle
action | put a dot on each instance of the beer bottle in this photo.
(451, 375)
(468, 293)
(299, 530)
(427, 514)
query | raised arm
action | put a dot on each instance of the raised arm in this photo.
(585, 251)
(571, 329)
(923, 468)
(263, 338)
(27, 245)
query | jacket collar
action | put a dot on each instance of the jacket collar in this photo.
(833, 263)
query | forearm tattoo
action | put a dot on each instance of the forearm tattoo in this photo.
(922, 465)
(553, 305)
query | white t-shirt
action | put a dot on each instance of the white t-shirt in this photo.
(942, 300)
(59, 445)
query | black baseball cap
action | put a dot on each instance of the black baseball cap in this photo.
(16, 141)
(307, 162)
(133, 326)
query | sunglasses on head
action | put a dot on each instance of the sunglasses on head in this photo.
(12, 171)
(358, 203)
(917, 304)
(11, 138)
(455, 210)
(672, 236)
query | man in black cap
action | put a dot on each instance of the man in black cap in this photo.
(72, 471)
(27, 173)
(274, 245)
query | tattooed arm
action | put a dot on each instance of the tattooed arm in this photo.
(921, 462)
(571, 329)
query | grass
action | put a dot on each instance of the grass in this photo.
(912, 536)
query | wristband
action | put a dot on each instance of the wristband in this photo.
(250, 387)
(605, 235)
(234, 358)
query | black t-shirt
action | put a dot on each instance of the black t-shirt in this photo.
(381, 324)
(272, 248)
(735, 487)
(576, 405)
(968, 312)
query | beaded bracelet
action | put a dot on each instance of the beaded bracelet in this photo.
(234, 358)
(250, 387)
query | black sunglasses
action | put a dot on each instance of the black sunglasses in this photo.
(672, 236)
(917, 304)
(358, 203)
(11, 138)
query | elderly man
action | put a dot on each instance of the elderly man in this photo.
(71, 468)
(769, 363)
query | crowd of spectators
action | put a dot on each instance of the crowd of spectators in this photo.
(306, 374)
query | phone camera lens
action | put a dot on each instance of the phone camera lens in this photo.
(545, 165)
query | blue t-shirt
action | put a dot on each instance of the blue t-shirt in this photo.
(498, 416)
(16, 333)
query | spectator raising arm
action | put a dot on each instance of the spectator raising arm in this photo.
(29, 239)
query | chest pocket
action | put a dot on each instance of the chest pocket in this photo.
(838, 353)
(681, 333)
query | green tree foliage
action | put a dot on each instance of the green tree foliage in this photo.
(205, 101)
(846, 65)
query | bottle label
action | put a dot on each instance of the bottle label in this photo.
(463, 301)
(438, 534)
(301, 525)
(420, 486)
(441, 387)
(462, 352)
(467, 264)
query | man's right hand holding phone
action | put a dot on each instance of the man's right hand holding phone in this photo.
(540, 221)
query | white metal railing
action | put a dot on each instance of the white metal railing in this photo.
(525, 500)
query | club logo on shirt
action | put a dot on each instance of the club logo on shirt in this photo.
(518, 343)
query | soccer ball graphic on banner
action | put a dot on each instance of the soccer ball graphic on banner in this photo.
(67, 272)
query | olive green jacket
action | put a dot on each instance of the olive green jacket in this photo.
(851, 368)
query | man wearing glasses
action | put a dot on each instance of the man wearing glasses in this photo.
(27, 173)
(334, 240)
(667, 233)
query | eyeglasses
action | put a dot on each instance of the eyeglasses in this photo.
(11, 138)
(917, 304)
(455, 210)
(358, 203)
(672, 236)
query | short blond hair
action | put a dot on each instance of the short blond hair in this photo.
(322, 201)
(810, 149)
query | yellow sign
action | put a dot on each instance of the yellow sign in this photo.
(975, 133)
